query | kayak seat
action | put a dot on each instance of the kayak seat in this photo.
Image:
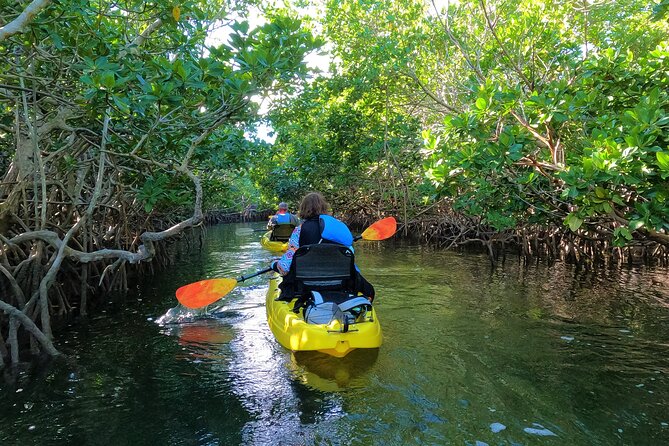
(281, 233)
(324, 266)
(325, 284)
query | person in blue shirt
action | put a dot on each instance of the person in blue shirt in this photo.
(317, 227)
(282, 217)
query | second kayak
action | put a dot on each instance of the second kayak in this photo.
(271, 245)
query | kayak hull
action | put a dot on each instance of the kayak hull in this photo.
(293, 333)
(273, 246)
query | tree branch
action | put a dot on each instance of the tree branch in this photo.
(651, 233)
(144, 252)
(30, 326)
(523, 122)
(140, 39)
(20, 297)
(430, 93)
(17, 25)
(456, 42)
(220, 120)
(491, 27)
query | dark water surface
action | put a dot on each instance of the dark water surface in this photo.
(539, 355)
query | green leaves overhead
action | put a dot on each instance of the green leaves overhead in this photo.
(172, 98)
(530, 112)
(517, 112)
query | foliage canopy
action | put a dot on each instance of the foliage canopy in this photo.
(530, 112)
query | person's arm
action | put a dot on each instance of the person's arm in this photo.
(294, 220)
(282, 266)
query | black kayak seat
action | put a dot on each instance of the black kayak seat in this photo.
(281, 233)
(324, 266)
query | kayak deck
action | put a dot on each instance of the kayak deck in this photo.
(292, 332)
(272, 245)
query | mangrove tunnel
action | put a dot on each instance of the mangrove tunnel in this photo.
(530, 132)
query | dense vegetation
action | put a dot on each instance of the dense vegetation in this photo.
(116, 119)
(537, 124)
(539, 120)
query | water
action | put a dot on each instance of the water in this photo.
(544, 355)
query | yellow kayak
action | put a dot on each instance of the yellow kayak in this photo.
(294, 333)
(272, 245)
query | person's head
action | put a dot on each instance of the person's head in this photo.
(312, 205)
(283, 206)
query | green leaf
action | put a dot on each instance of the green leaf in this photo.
(600, 192)
(241, 27)
(573, 222)
(90, 93)
(121, 104)
(559, 117)
(108, 80)
(662, 121)
(617, 199)
(57, 41)
(481, 103)
(516, 152)
(663, 160)
(101, 62)
(636, 224)
(621, 235)
(179, 69)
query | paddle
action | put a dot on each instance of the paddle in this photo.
(380, 230)
(205, 292)
(248, 231)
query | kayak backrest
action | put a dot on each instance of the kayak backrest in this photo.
(324, 266)
(281, 233)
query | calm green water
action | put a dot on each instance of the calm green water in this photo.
(515, 356)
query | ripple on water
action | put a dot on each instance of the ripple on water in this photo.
(539, 430)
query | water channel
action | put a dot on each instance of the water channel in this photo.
(516, 355)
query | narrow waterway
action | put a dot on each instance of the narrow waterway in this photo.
(538, 355)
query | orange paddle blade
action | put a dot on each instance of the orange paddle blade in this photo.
(204, 292)
(380, 230)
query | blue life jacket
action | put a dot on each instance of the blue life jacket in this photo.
(336, 231)
(283, 219)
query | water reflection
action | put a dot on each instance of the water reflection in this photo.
(203, 338)
(263, 382)
(325, 373)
